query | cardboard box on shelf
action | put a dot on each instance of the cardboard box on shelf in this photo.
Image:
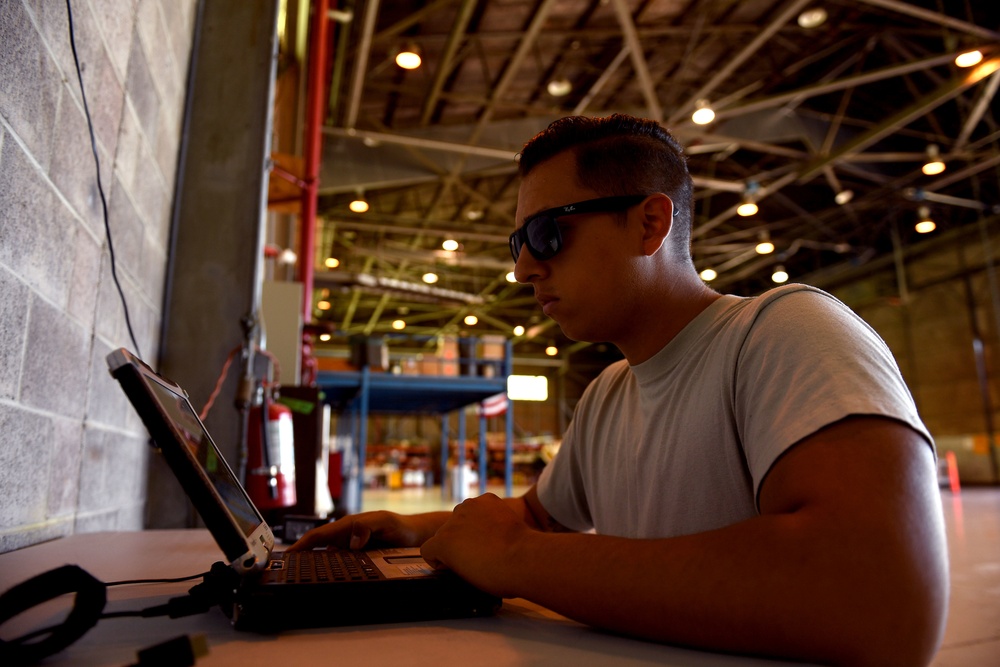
(447, 353)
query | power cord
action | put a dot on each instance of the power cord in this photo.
(216, 589)
(100, 188)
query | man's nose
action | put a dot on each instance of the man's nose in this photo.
(526, 267)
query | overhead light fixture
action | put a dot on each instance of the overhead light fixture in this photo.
(510, 277)
(358, 204)
(708, 275)
(471, 320)
(559, 87)
(398, 325)
(518, 330)
(331, 262)
(323, 305)
(969, 58)
(552, 350)
(934, 164)
(474, 213)
(843, 197)
(409, 57)
(812, 18)
(747, 208)
(764, 245)
(703, 113)
(325, 337)
(779, 275)
(749, 204)
(924, 223)
(450, 245)
(429, 278)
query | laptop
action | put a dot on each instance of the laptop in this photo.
(278, 590)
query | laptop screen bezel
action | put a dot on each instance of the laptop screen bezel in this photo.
(246, 552)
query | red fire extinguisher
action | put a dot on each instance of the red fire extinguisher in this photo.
(270, 455)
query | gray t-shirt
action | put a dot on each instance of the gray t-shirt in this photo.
(680, 443)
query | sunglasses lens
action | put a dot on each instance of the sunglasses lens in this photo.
(515, 245)
(542, 236)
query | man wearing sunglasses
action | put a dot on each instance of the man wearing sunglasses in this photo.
(752, 478)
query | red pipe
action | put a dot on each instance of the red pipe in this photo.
(315, 102)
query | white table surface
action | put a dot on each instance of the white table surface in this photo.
(520, 634)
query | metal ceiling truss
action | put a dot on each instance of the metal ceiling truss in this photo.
(802, 115)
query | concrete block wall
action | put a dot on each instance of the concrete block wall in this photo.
(73, 456)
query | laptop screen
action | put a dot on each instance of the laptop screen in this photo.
(189, 451)
(185, 422)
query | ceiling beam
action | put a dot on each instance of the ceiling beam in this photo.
(904, 117)
(444, 68)
(361, 63)
(420, 142)
(736, 61)
(833, 86)
(935, 17)
(624, 15)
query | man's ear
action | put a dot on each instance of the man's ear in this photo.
(657, 218)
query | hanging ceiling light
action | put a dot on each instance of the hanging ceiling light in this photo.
(934, 164)
(398, 325)
(409, 57)
(749, 204)
(450, 245)
(969, 58)
(471, 320)
(358, 204)
(779, 275)
(843, 197)
(764, 245)
(518, 330)
(924, 223)
(747, 208)
(429, 278)
(708, 275)
(559, 87)
(552, 350)
(812, 18)
(510, 277)
(703, 113)
(331, 262)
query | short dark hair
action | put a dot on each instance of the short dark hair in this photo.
(620, 155)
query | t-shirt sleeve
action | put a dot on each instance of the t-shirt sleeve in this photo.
(809, 361)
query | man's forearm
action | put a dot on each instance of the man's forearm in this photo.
(766, 587)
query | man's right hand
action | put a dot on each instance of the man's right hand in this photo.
(372, 529)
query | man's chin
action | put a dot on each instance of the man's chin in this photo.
(578, 335)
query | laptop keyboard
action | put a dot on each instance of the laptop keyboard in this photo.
(321, 566)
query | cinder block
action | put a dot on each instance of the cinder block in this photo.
(29, 81)
(13, 328)
(64, 472)
(72, 167)
(126, 229)
(24, 465)
(26, 203)
(116, 20)
(56, 362)
(85, 279)
(141, 91)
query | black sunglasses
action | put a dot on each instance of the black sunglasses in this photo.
(540, 232)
